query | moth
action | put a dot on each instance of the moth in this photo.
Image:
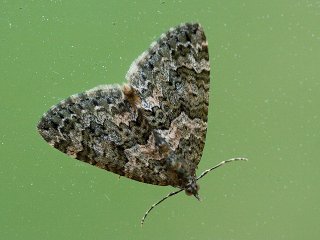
(151, 129)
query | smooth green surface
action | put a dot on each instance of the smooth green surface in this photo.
(265, 105)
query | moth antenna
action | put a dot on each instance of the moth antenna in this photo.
(201, 176)
(157, 203)
(221, 164)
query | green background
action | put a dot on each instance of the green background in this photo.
(264, 104)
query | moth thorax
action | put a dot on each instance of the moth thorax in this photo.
(130, 95)
(192, 189)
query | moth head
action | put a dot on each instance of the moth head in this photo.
(192, 189)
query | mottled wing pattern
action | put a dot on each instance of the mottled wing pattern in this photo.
(95, 126)
(172, 80)
(151, 130)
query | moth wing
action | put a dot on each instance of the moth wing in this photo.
(172, 81)
(97, 127)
